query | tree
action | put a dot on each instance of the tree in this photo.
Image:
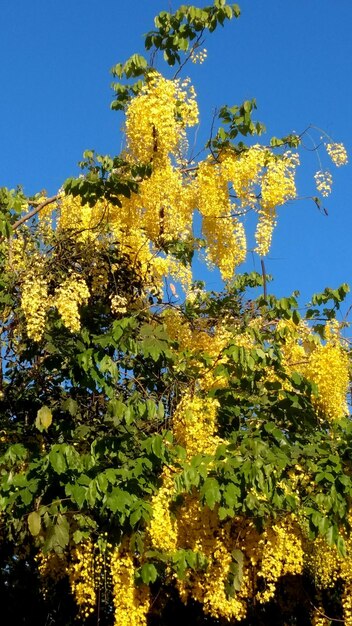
(160, 460)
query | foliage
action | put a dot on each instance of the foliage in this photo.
(161, 458)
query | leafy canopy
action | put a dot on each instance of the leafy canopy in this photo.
(165, 455)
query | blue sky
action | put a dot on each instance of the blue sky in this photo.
(295, 58)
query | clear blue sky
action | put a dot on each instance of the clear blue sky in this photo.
(295, 58)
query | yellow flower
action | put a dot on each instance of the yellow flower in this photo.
(35, 304)
(337, 153)
(323, 181)
(156, 118)
(69, 296)
(131, 603)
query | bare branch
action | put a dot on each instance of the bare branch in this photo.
(265, 293)
(36, 210)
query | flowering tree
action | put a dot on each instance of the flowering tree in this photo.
(160, 459)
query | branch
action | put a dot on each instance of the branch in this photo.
(36, 210)
(196, 45)
(264, 278)
(321, 613)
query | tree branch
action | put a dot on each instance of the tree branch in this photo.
(265, 293)
(36, 210)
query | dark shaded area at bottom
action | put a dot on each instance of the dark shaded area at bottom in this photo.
(22, 603)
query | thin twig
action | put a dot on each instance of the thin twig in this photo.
(321, 613)
(196, 45)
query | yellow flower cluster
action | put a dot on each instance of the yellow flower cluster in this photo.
(226, 243)
(35, 272)
(118, 304)
(296, 345)
(323, 181)
(280, 552)
(199, 530)
(323, 562)
(35, 304)
(162, 267)
(264, 231)
(278, 183)
(200, 56)
(186, 105)
(83, 220)
(131, 603)
(165, 204)
(197, 338)
(328, 367)
(135, 244)
(81, 577)
(17, 255)
(278, 186)
(243, 338)
(337, 153)
(194, 422)
(160, 212)
(255, 172)
(328, 568)
(213, 197)
(276, 552)
(155, 119)
(178, 328)
(224, 234)
(69, 296)
(281, 549)
(244, 172)
(163, 526)
(209, 588)
(346, 602)
(222, 188)
(325, 364)
(51, 567)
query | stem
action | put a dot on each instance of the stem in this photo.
(265, 293)
(196, 45)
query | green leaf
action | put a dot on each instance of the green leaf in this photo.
(77, 536)
(238, 556)
(296, 379)
(332, 535)
(158, 446)
(151, 409)
(341, 547)
(118, 500)
(57, 460)
(296, 317)
(323, 525)
(210, 492)
(269, 427)
(71, 406)
(223, 513)
(161, 410)
(231, 494)
(26, 496)
(77, 493)
(59, 534)
(44, 418)
(149, 573)
(34, 523)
